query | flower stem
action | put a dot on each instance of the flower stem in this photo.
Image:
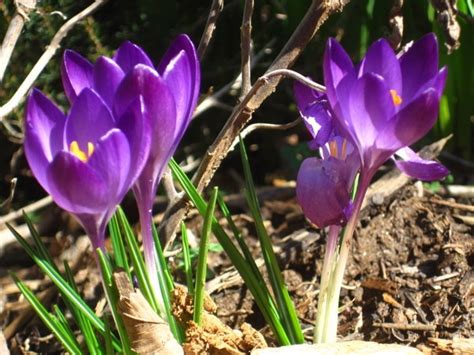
(328, 267)
(149, 251)
(335, 283)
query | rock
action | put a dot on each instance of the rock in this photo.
(356, 347)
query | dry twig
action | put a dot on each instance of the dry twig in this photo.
(316, 15)
(246, 47)
(216, 8)
(22, 90)
(23, 8)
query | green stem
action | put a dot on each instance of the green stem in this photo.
(335, 283)
(328, 268)
(202, 260)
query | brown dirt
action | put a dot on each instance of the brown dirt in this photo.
(403, 249)
(409, 280)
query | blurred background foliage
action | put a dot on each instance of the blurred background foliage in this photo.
(154, 23)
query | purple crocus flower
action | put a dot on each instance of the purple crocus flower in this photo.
(323, 186)
(384, 104)
(89, 159)
(170, 92)
(378, 108)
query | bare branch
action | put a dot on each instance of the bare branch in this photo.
(23, 8)
(213, 100)
(316, 15)
(45, 201)
(296, 76)
(268, 126)
(22, 90)
(396, 24)
(216, 8)
(246, 46)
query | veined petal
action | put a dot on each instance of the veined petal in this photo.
(381, 59)
(371, 109)
(416, 119)
(336, 66)
(322, 191)
(107, 77)
(76, 73)
(180, 69)
(314, 109)
(138, 132)
(305, 96)
(160, 109)
(419, 64)
(112, 160)
(438, 82)
(44, 129)
(88, 120)
(416, 167)
(75, 186)
(129, 55)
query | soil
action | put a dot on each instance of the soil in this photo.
(409, 280)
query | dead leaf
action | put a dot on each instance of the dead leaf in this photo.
(148, 333)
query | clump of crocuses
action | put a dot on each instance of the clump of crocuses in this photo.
(371, 112)
(126, 119)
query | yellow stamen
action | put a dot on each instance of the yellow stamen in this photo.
(344, 149)
(397, 100)
(90, 149)
(333, 148)
(81, 155)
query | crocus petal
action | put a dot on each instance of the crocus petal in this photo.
(159, 105)
(381, 59)
(94, 226)
(138, 132)
(322, 191)
(44, 127)
(419, 64)
(337, 64)
(180, 69)
(416, 167)
(112, 160)
(88, 120)
(416, 119)
(437, 83)
(305, 96)
(371, 108)
(76, 73)
(314, 109)
(107, 77)
(129, 55)
(75, 186)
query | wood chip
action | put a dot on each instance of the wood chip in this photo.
(390, 300)
(381, 285)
